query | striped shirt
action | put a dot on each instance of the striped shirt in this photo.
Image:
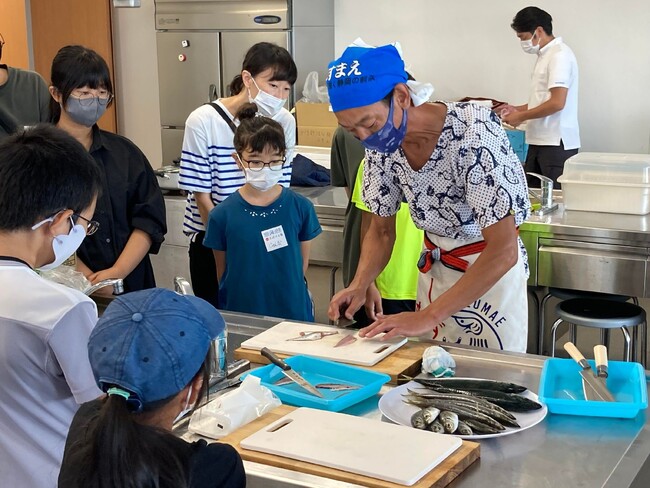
(207, 165)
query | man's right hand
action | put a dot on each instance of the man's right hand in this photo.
(346, 303)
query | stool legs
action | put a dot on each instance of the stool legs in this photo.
(626, 349)
(542, 324)
(553, 334)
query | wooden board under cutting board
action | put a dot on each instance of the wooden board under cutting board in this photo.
(363, 352)
(405, 361)
(358, 451)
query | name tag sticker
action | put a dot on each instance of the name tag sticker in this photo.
(274, 238)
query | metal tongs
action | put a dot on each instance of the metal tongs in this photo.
(315, 335)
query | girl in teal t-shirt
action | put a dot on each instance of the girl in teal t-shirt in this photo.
(261, 234)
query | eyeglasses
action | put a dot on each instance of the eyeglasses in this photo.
(256, 165)
(86, 99)
(91, 225)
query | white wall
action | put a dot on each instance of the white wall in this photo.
(136, 72)
(468, 49)
(464, 48)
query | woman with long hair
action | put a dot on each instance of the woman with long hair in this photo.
(208, 170)
(150, 354)
(130, 208)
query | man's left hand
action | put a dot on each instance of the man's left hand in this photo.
(407, 324)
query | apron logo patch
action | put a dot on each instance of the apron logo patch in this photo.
(479, 323)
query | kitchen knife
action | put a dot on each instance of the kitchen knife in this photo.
(290, 373)
(600, 355)
(590, 381)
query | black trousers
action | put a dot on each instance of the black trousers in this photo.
(547, 161)
(390, 307)
(203, 271)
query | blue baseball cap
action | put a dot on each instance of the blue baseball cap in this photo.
(151, 343)
(364, 75)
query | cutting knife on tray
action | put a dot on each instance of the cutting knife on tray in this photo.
(290, 373)
(593, 387)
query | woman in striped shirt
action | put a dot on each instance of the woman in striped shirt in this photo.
(208, 171)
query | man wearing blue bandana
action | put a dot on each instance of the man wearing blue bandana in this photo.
(453, 164)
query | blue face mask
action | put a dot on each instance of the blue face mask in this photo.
(387, 139)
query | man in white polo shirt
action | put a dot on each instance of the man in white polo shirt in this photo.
(551, 113)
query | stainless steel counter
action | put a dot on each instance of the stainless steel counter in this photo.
(590, 251)
(561, 451)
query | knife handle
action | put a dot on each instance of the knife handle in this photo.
(576, 354)
(600, 355)
(266, 352)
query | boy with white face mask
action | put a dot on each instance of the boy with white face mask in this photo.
(261, 234)
(48, 189)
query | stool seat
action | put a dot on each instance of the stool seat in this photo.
(567, 294)
(599, 313)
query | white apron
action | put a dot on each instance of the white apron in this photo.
(497, 320)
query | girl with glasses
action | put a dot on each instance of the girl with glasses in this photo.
(261, 233)
(208, 171)
(130, 209)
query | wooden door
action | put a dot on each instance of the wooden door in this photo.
(59, 23)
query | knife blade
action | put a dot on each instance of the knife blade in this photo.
(348, 339)
(290, 373)
(590, 380)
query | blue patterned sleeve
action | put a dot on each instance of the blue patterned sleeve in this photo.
(382, 191)
(495, 181)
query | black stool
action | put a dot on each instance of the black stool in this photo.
(567, 294)
(604, 315)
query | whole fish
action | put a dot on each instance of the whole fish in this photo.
(449, 421)
(470, 384)
(436, 427)
(417, 420)
(464, 429)
(430, 414)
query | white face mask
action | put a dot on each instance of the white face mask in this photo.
(187, 407)
(267, 104)
(263, 180)
(64, 245)
(528, 46)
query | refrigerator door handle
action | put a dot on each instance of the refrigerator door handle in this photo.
(212, 93)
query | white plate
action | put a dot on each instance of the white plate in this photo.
(395, 410)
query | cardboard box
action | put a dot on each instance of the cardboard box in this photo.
(316, 124)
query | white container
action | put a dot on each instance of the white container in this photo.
(607, 182)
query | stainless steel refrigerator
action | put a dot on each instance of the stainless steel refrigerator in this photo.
(202, 43)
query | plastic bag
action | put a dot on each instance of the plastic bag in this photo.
(312, 92)
(68, 276)
(233, 409)
(438, 362)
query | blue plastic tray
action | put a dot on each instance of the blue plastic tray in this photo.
(560, 389)
(318, 371)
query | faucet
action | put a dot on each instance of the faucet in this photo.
(116, 283)
(182, 286)
(546, 196)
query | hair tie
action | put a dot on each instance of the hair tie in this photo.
(119, 392)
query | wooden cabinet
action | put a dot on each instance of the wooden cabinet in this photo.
(59, 23)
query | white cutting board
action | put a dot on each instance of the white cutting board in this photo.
(364, 352)
(358, 445)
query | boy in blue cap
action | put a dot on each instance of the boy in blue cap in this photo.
(453, 164)
(150, 353)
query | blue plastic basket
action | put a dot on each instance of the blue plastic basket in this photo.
(561, 390)
(318, 371)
